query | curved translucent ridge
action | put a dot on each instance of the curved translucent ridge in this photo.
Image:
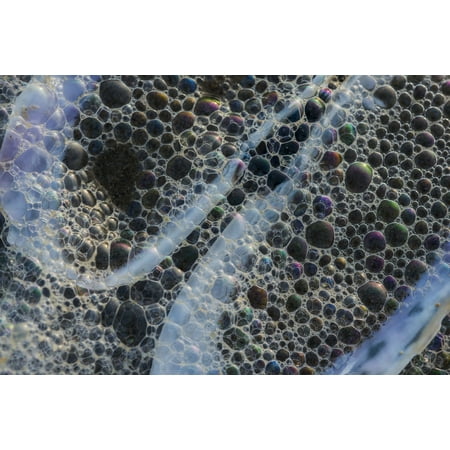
(197, 295)
(31, 170)
(406, 333)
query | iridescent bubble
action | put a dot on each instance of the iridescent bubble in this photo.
(295, 270)
(157, 100)
(322, 206)
(374, 263)
(358, 177)
(314, 109)
(396, 234)
(187, 85)
(320, 234)
(373, 294)
(119, 253)
(233, 125)
(388, 211)
(390, 283)
(205, 106)
(330, 160)
(347, 134)
(374, 241)
(325, 94)
(183, 121)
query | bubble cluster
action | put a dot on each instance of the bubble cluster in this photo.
(344, 203)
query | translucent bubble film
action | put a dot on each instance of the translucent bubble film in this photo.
(277, 225)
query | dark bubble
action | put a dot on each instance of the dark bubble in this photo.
(257, 297)
(183, 121)
(320, 234)
(425, 139)
(330, 160)
(155, 127)
(130, 324)
(114, 93)
(302, 132)
(408, 216)
(374, 241)
(314, 109)
(178, 167)
(233, 125)
(325, 94)
(445, 88)
(347, 134)
(187, 85)
(91, 127)
(374, 263)
(358, 177)
(373, 294)
(385, 97)
(396, 234)
(426, 159)
(414, 271)
(349, 335)
(388, 211)
(205, 106)
(390, 283)
(122, 132)
(438, 210)
(398, 82)
(402, 292)
(146, 180)
(297, 248)
(157, 100)
(75, 157)
(322, 206)
(432, 242)
(259, 166)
